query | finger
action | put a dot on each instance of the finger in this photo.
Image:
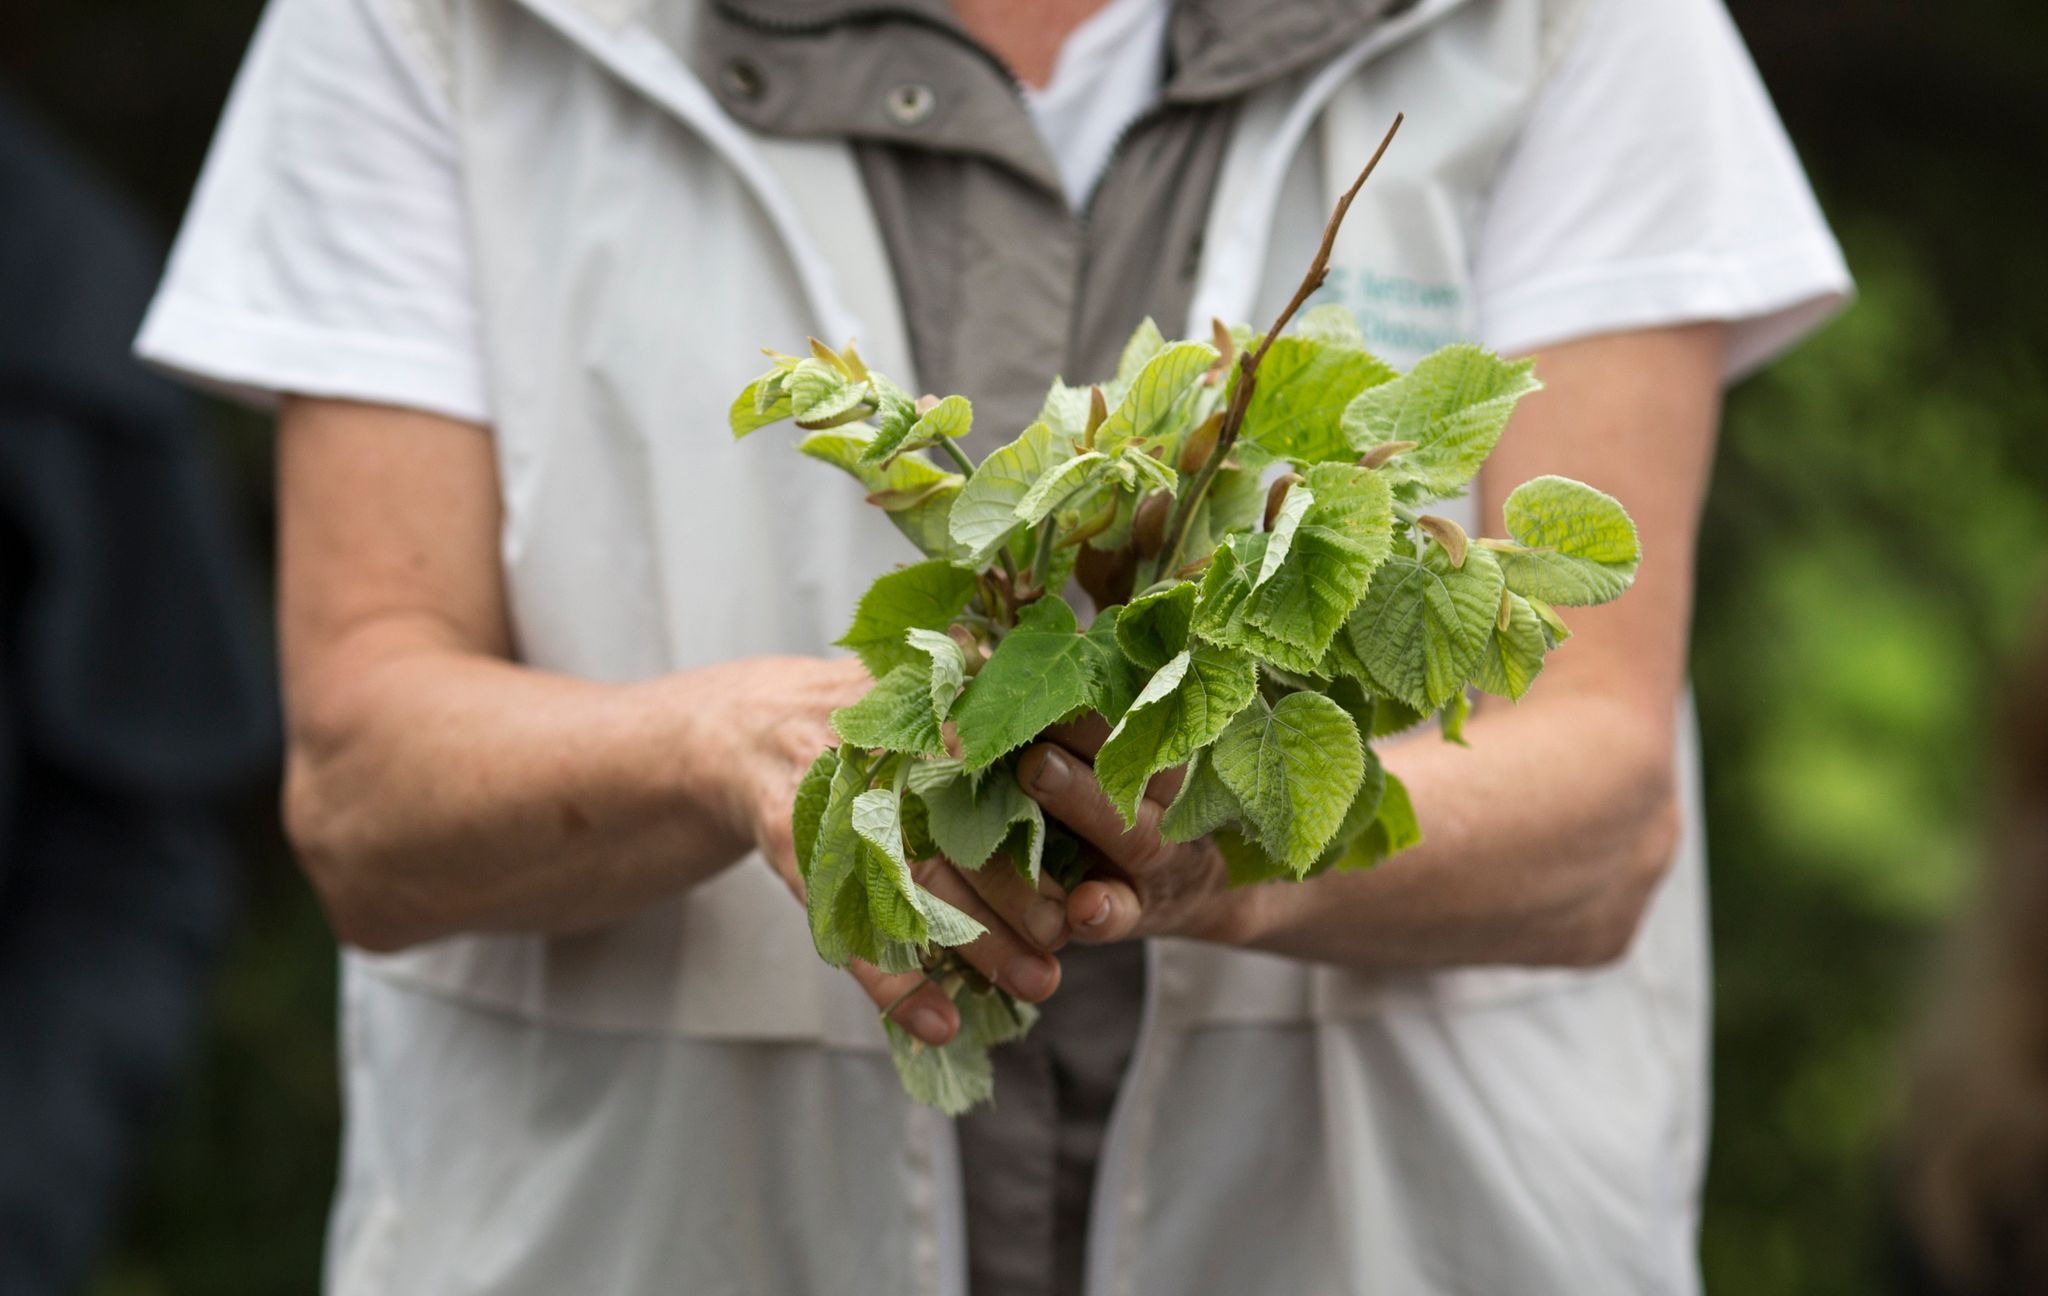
(1104, 909)
(1083, 737)
(999, 953)
(1068, 792)
(1039, 913)
(911, 1002)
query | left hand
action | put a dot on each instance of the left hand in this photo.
(1138, 884)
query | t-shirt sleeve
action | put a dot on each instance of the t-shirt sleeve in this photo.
(1653, 185)
(325, 252)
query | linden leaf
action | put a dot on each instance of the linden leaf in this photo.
(1514, 652)
(1155, 393)
(896, 715)
(1153, 628)
(985, 513)
(1423, 624)
(1203, 804)
(1294, 767)
(970, 819)
(924, 596)
(1297, 409)
(1579, 544)
(1182, 708)
(813, 792)
(1454, 405)
(1041, 670)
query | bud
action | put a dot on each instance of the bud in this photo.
(1093, 527)
(926, 404)
(897, 501)
(1195, 568)
(1226, 352)
(971, 647)
(1201, 443)
(1276, 495)
(856, 368)
(1148, 524)
(1506, 613)
(1098, 414)
(1379, 454)
(1446, 533)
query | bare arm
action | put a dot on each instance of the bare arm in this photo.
(436, 786)
(1546, 838)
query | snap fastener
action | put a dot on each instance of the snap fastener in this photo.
(910, 103)
(743, 80)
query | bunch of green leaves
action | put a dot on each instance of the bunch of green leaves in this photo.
(1268, 606)
(1245, 513)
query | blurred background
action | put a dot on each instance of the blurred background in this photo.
(1875, 557)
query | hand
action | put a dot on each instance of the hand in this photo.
(1139, 883)
(777, 719)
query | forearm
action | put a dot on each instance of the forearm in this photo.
(1543, 842)
(433, 790)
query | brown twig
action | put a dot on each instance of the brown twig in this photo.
(1248, 363)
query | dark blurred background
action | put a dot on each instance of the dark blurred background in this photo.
(1875, 556)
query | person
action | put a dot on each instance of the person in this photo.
(136, 695)
(556, 652)
(1972, 1188)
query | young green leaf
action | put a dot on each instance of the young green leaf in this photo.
(1453, 405)
(1393, 830)
(835, 885)
(821, 394)
(1153, 628)
(1185, 706)
(1297, 409)
(1155, 393)
(1247, 862)
(948, 668)
(1290, 619)
(1364, 809)
(1280, 535)
(1118, 679)
(896, 715)
(985, 513)
(1145, 342)
(765, 401)
(1514, 652)
(1580, 546)
(1203, 804)
(952, 418)
(923, 596)
(813, 793)
(903, 475)
(892, 892)
(1041, 670)
(1294, 767)
(1424, 623)
(958, 1074)
(1052, 490)
(971, 819)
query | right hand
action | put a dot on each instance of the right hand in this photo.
(776, 719)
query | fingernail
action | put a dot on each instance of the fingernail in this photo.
(1028, 976)
(1052, 772)
(1046, 921)
(929, 1024)
(1100, 916)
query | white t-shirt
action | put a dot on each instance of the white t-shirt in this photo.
(1110, 69)
(326, 253)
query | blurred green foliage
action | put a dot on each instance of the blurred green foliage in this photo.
(1873, 554)
(1873, 558)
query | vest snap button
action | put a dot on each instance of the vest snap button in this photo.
(910, 103)
(743, 80)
